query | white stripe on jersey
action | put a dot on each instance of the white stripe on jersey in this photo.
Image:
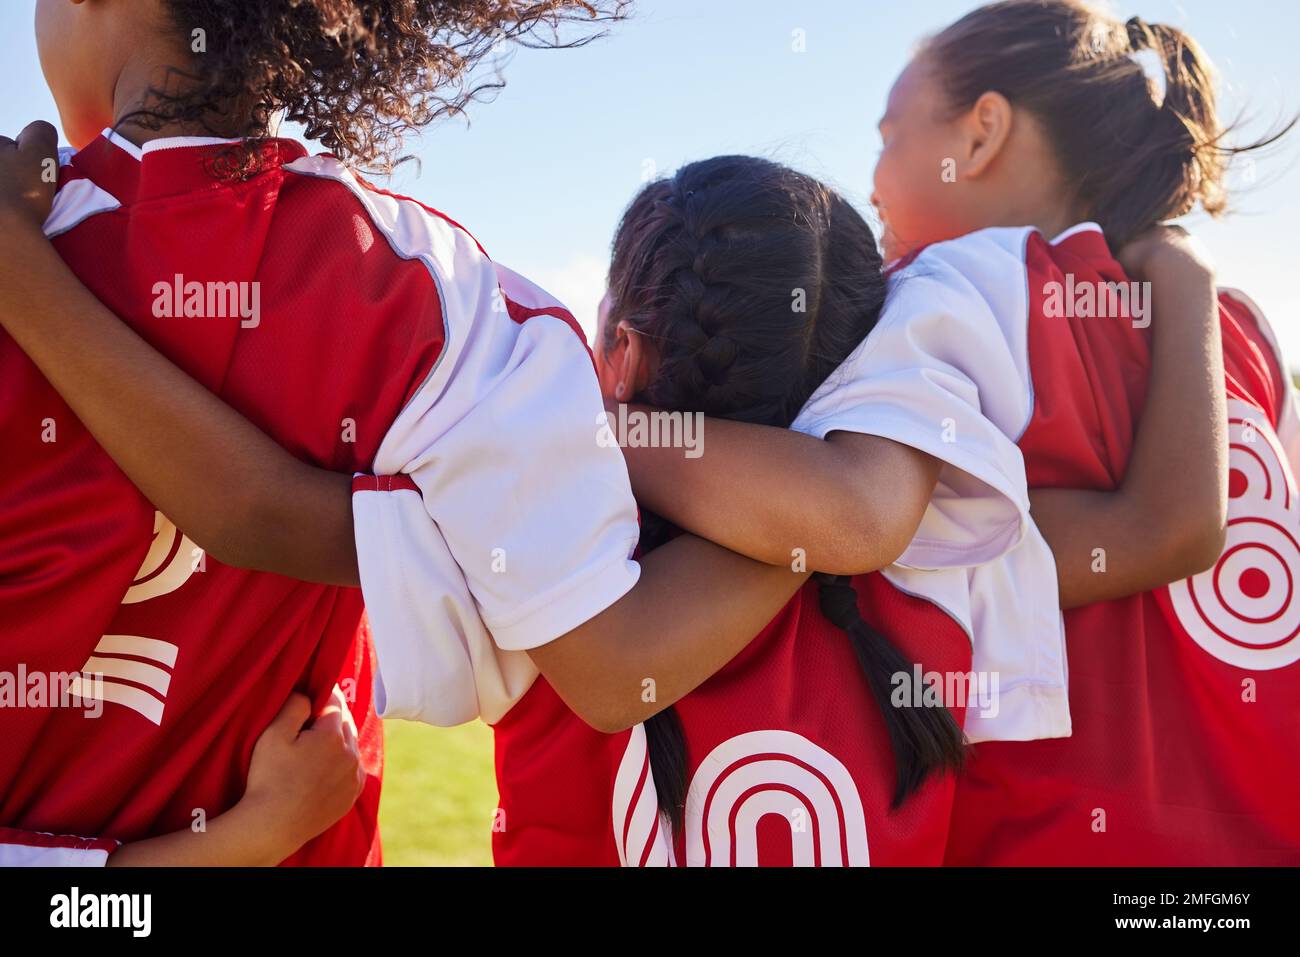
(76, 202)
(1288, 425)
(104, 668)
(640, 831)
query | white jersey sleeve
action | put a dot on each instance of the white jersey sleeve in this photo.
(516, 523)
(946, 371)
(36, 849)
(1288, 419)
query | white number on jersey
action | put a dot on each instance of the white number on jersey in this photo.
(753, 776)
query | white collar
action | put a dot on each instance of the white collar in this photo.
(1075, 230)
(166, 143)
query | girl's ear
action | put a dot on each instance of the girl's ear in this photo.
(631, 360)
(618, 365)
(987, 127)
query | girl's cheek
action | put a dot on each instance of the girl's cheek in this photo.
(895, 198)
(914, 201)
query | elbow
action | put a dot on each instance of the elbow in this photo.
(228, 554)
(1197, 542)
(230, 540)
(216, 545)
(614, 724)
(860, 547)
(606, 720)
(1203, 550)
(890, 546)
(608, 716)
(871, 531)
(604, 713)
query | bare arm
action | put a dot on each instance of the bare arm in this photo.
(233, 839)
(852, 502)
(1168, 518)
(234, 491)
(694, 608)
(830, 506)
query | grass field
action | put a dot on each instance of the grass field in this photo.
(439, 794)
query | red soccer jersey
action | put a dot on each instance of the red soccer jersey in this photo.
(1186, 722)
(311, 302)
(787, 758)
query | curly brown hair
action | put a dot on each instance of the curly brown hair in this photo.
(357, 74)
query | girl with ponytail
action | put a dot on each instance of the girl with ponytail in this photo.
(701, 276)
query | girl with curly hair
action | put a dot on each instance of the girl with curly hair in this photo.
(364, 332)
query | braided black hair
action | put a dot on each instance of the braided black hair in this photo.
(754, 282)
(928, 737)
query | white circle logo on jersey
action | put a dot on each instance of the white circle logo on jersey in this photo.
(784, 775)
(1243, 610)
(167, 566)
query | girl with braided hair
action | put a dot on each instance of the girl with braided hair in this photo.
(704, 268)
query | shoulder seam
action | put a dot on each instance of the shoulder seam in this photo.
(351, 183)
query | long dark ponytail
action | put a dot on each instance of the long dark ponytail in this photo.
(923, 739)
(754, 282)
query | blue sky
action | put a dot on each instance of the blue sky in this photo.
(541, 174)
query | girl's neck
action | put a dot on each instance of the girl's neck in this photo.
(1048, 214)
(133, 92)
(1052, 224)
